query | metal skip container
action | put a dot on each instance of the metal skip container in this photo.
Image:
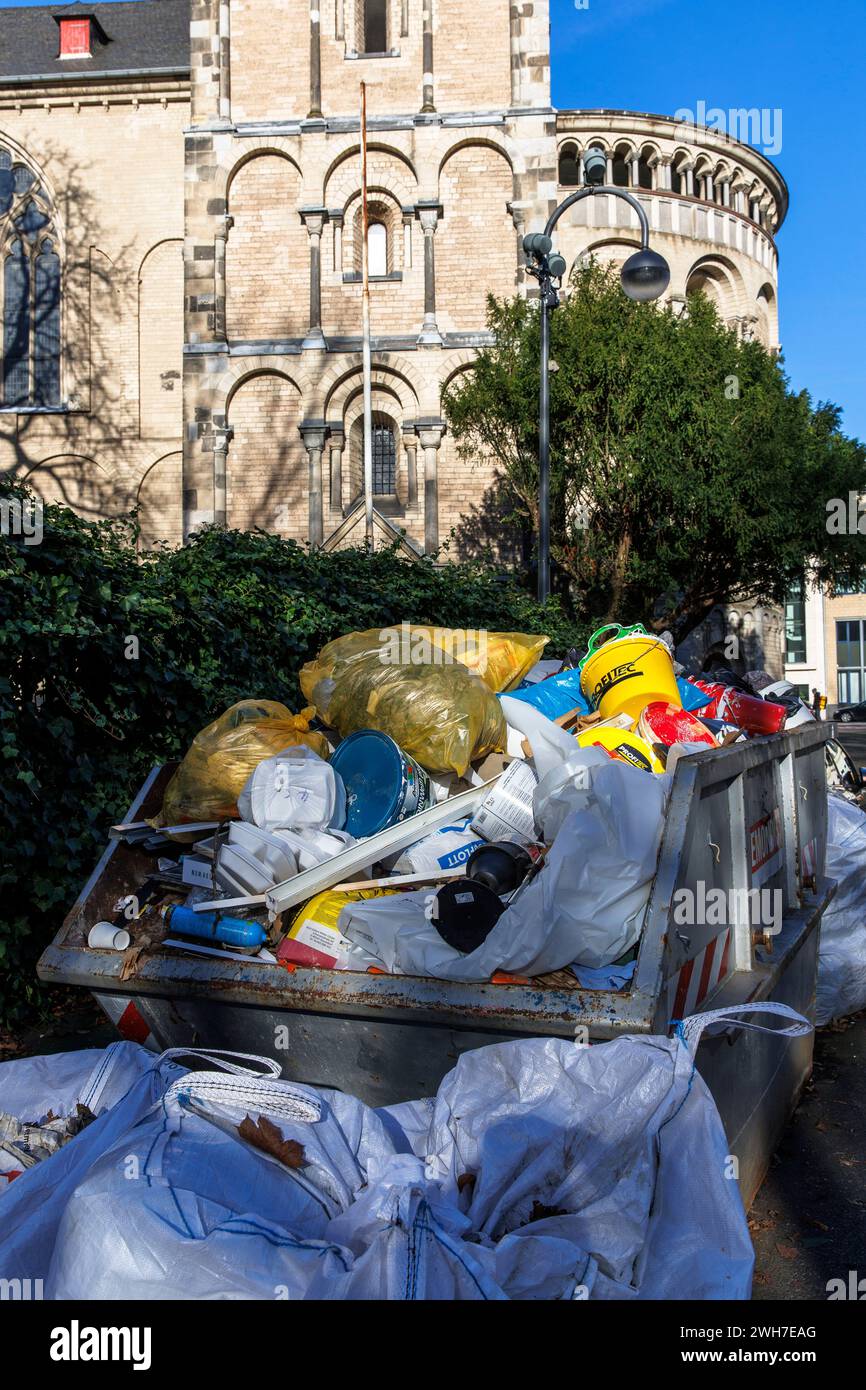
(746, 824)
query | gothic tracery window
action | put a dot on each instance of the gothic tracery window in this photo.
(29, 291)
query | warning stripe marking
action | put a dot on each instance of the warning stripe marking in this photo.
(700, 976)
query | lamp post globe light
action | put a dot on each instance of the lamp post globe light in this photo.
(644, 276)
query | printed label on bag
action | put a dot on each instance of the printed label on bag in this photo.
(506, 814)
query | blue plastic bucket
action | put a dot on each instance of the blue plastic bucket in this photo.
(383, 784)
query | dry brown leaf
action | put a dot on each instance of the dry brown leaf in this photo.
(788, 1252)
(265, 1135)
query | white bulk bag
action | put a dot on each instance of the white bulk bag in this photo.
(842, 946)
(546, 1170)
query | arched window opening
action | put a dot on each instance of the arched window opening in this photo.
(620, 170)
(373, 37)
(384, 456)
(644, 173)
(569, 167)
(377, 249)
(30, 284)
(678, 179)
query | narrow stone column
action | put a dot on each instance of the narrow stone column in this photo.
(313, 435)
(427, 106)
(635, 172)
(222, 439)
(430, 436)
(336, 218)
(315, 110)
(410, 444)
(225, 97)
(223, 226)
(314, 221)
(429, 217)
(690, 181)
(518, 218)
(408, 218)
(337, 442)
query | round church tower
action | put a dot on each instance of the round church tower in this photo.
(714, 206)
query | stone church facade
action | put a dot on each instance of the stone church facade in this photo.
(192, 290)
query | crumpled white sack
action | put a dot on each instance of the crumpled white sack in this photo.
(842, 946)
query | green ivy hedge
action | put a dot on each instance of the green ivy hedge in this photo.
(85, 711)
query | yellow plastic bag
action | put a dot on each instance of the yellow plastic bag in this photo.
(501, 659)
(211, 777)
(442, 715)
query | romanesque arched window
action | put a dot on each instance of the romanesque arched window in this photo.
(621, 171)
(377, 249)
(384, 440)
(382, 237)
(29, 290)
(384, 456)
(569, 166)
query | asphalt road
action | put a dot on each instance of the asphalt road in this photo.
(853, 739)
(808, 1221)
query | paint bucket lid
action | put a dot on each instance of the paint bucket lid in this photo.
(374, 771)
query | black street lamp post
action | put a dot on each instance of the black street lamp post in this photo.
(644, 276)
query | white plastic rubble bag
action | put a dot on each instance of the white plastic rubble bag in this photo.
(118, 1086)
(842, 946)
(296, 790)
(600, 1171)
(446, 848)
(542, 1170)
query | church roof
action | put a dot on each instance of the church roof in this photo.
(133, 36)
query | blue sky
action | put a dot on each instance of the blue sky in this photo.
(800, 56)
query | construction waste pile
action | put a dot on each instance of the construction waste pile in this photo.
(446, 804)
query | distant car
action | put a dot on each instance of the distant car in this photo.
(851, 714)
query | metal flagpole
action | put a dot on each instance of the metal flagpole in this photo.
(365, 302)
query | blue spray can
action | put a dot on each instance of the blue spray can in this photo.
(229, 930)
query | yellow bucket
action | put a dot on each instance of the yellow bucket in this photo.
(622, 744)
(627, 671)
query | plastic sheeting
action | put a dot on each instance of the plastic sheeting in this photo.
(585, 907)
(842, 947)
(503, 1187)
